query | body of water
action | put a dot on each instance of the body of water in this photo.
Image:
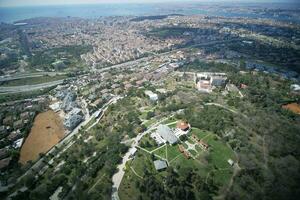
(12, 14)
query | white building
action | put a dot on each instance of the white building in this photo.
(55, 106)
(18, 143)
(152, 96)
(295, 87)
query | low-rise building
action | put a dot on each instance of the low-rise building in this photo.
(18, 143)
(72, 121)
(160, 165)
(230, 162)
(55, 106)
(183, 125)
(167, 134)
(4, 163)
(18, 124)
(231, 88)
(3, 153)
(152, 96)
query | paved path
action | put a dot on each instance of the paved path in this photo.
(226, 108)
(136, 173)
(118, 176)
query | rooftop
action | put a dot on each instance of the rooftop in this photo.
(160, 164)
(166, 133)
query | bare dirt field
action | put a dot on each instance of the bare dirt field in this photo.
(294, 107)
(47, 130)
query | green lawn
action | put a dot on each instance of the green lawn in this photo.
(173, 151)
(220, 153)
(161, 152)
(170, 120)
(200, 133)
(150, 122)
(141, 162)
(172, 125)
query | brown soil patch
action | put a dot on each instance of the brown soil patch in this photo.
(294, 107)
(47, 131)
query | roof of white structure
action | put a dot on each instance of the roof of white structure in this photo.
(160, 164)
(166, 133)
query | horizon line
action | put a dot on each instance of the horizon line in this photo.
(166, 2)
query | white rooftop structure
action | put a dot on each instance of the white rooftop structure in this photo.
(55, 106)
(295, 87)
(132, 151)
(230, 162)
(18, 143)
(151, 95)
(167, 134)
(160, 164)
(158, 139)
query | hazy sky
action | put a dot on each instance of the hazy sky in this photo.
(58, 2)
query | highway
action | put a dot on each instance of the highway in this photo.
(27, 88)
(28, 75)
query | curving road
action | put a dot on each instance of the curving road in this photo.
(118, 176)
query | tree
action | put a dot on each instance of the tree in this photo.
(29, 180)
(150, 114)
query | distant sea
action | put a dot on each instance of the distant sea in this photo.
(13, 14)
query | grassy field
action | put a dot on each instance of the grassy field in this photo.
(172, 152)
(33, 80)
(128, 189)
(210, 164)
(199, 133)
(161, 152)
(149, 122)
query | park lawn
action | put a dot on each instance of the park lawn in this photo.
(200, 133)
(161, 152)
(150, 122)
(185, 164)
(142, 161)
(220, 153)
(172, 125)
(170, 120)
(172, 151)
